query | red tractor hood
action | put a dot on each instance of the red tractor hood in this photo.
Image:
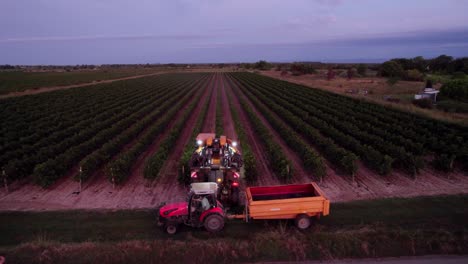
(175, 209)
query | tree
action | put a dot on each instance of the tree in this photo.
(441, 64)
(414, 75)
(350, 73)
(391, 69)
(246, 65)
(460, 65)
(405, 63)
(330, 74)
(419, 63)
(362, 69)
(300, 69)
(262, 65)
(428, 84)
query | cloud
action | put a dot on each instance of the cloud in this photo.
(448, 38)
(330, 2)
(440, 37)
(106, 37)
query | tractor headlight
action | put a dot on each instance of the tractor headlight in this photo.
(234, 144)
(219, 180)
(199, 142)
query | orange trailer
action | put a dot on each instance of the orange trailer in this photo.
(299, 201)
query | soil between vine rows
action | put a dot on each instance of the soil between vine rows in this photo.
(137, 192)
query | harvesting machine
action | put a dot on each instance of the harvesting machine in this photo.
(217, 159)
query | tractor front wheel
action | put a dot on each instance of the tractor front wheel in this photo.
(171, 228)
(214, 223)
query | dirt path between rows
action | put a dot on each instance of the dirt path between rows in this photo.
(265, 174)
(209, 124)
(167, 188)
(228, 123)
(64, 87)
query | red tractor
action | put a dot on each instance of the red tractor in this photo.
(217, 159)
(202, 209)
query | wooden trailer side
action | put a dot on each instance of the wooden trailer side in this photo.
(288, 208)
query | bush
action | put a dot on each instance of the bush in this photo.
(453, 106)
(414, 75)
(392, 69)
(424, 103)
(392, 80)
(444, 162)
(300, 69)
(362, 69)
(262, 65)
(458, 75)
(455, 89)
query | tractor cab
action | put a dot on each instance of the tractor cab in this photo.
(201, 199)
(202, 209)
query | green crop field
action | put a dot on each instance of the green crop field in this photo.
(17, 81)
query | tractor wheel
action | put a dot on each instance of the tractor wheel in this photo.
(302, 221)
(171, 228)
(214, 223)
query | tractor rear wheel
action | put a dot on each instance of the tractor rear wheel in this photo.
(171, 228)
(214, 223)
(302, 221)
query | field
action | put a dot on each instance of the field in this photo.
(123, 144)
(19, 81)
(375, 89)
(412, 227)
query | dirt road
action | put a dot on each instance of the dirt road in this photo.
(447, 259)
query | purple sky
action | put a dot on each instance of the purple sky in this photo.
(151, 31)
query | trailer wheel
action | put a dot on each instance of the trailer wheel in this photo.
(214, 223)
(171, 228)
(302, 221)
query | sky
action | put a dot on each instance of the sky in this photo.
(69, 32)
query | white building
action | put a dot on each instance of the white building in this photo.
(430, 93)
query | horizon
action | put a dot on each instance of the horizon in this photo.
(52, 32)
(337, 61)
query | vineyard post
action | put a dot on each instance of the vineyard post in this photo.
(5, 182)
(80, 176)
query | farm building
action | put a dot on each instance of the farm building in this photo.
(430, 93)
